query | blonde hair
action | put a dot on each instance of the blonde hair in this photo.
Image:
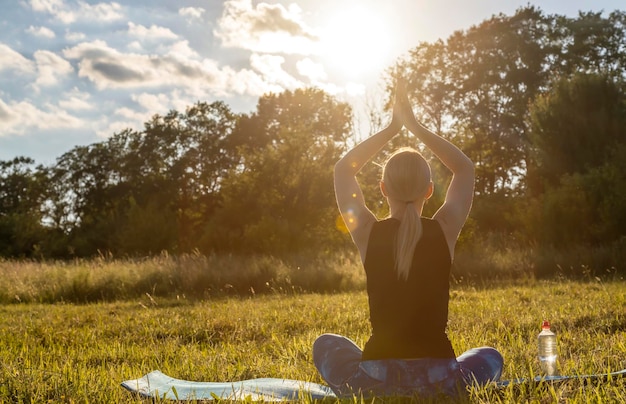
(407, 177)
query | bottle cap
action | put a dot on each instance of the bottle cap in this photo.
(545, 325)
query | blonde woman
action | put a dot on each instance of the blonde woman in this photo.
(407, 260)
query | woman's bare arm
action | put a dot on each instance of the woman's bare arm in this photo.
(454, 211)
(357, 217)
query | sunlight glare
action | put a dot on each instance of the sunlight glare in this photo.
(356, 41)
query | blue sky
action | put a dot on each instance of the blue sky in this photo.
(73, 72)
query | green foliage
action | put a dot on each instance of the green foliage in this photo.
(587, 208)
(607, 185)
(280, 197)
(475, 87)
(567, 216)
(579, 131)
(22, 193)
(576, 125)
(592, 43)
(147, 230)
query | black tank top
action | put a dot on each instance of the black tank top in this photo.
(408, 318)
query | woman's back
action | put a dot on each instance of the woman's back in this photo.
(408, 317)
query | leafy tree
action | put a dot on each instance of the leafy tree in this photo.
(147, 230)
(106, 191)
(576, 125)
(579, 135)
(591, 44)
(483, 88)
(22, 193)
(477, 85)
(499, 65)
(186, 157)
(279, 199)
(606, 186)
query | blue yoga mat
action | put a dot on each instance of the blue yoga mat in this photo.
(159, 385)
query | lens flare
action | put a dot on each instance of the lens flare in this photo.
(347, 222)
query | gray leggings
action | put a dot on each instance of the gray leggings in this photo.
(338, 361)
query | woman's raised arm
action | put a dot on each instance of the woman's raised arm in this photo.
(454, 211)
(357, 217)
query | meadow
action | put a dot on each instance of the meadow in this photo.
(63, 340)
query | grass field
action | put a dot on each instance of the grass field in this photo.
(81, 352)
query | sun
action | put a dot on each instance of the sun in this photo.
(356, 42)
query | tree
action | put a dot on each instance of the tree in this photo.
(579, 136)
(106, 191)
(500, 66)
(188, 156)
(576, 125)
(22, 194)
(591, 44)
(83, 178)
(280, 199)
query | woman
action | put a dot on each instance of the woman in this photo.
(407, 260)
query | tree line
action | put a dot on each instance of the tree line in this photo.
(537, 101)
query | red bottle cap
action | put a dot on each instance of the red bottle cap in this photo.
(545, 325)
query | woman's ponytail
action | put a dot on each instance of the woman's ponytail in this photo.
(409, 234)
(406, 176)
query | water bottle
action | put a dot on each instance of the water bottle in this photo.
(547, 349)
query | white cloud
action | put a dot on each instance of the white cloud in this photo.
(43, 32)
(19, 118)
(56, 8)
(162, 103)
(106, 128)
(76, 100)
(270, 67)
(155, 103)
(135, 46)
(355, 89)
(12, 60)
(265, 28)
(100, 11)
(310, 69)
(51, 68)
(6, 115)
(246, 82)
(68, 14)
(48, 6)
(181, 49)
(131, 114)
(74, 36)
(109, 68)
(129, 118)
(192, 13)
(152, 33)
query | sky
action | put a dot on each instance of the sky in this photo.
(74, 72)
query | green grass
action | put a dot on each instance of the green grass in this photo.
(81, 352)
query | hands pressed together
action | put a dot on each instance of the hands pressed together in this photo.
(402, 111)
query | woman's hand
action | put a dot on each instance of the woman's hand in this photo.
(397, 120)
(402, 108)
